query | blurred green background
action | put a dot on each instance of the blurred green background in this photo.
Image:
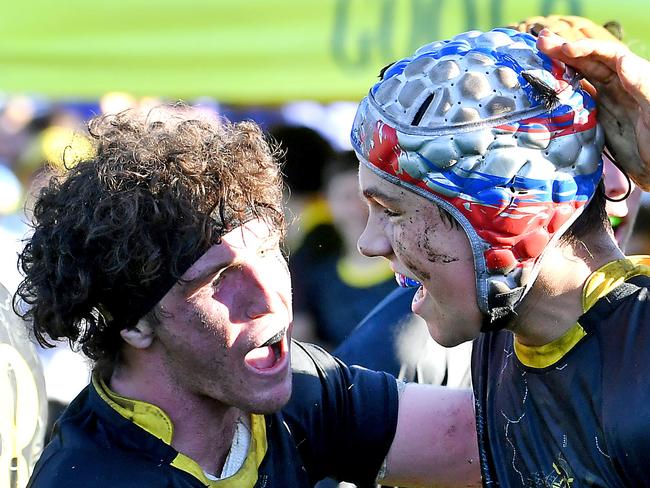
(248, 51)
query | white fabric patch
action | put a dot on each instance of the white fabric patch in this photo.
(238, 451)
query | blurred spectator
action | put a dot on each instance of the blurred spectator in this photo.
(310, 234)
(51, 137)
(623, 201)
(337, 289)
(306, 153)
(639, 242)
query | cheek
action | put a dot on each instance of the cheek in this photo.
(422, 247)
(436, 253)
(407, 243)
(205, 322)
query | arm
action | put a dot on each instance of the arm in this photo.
(622, 82)
(435, 440)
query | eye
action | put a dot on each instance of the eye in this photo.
(216, 281)
(390, 213)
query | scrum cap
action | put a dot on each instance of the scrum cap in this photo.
(497, 134)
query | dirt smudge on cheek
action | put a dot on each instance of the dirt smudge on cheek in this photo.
(417, 270)
(404, 254)
(431, 251)
(434, 256)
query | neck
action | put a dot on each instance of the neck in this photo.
(554, 303)
(203, 427)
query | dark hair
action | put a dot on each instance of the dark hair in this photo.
(115, 232)
(592, 219)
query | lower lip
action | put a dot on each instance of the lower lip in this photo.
(280, 365)
(418, 299)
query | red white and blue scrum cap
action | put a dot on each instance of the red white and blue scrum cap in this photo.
(497, 134)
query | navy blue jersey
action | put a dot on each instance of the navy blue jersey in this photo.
(335, 305)
(339, 422)
(583, 420)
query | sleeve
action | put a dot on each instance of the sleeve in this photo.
(626, 386)
(342, 418)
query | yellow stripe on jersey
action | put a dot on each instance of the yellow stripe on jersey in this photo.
(152, 419)
(599, 284)
(548, 354)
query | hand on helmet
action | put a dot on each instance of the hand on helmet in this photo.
(622, 82)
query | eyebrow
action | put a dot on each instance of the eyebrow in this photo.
(372, 193)
(205, 275)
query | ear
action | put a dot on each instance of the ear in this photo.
(140, 336)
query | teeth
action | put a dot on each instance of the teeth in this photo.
(405, 281)
(276, 338)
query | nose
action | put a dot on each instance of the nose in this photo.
(268, 290)
(373, 240)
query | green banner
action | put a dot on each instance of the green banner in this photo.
(248, 51)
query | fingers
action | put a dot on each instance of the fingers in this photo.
(634, 72)
(605, 51)
(595, 59)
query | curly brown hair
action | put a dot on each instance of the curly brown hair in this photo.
(114, 233)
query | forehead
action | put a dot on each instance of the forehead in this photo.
(373, 187)
(235, 246)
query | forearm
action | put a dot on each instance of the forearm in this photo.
(435, 443)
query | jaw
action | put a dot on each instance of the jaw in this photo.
(268, 399)
(447, 328)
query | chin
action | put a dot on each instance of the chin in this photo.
(273, 400)
(449, 338)
(445, 340)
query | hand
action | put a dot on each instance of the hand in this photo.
(570, 27)
(622, 83)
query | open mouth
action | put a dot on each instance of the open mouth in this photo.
(418, 298)
(619, 225)
(405, 281)
(267, 355)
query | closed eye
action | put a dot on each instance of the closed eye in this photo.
(218, 278)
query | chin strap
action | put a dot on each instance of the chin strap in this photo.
(502, 310)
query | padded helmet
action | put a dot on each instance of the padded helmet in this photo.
(500, 136)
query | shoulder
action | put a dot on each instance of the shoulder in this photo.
(323, 380)
(91, 448)
(337, 412)
(621, 319)
(621, 322)
(311, 362)
(90, 465)
(309, 358)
